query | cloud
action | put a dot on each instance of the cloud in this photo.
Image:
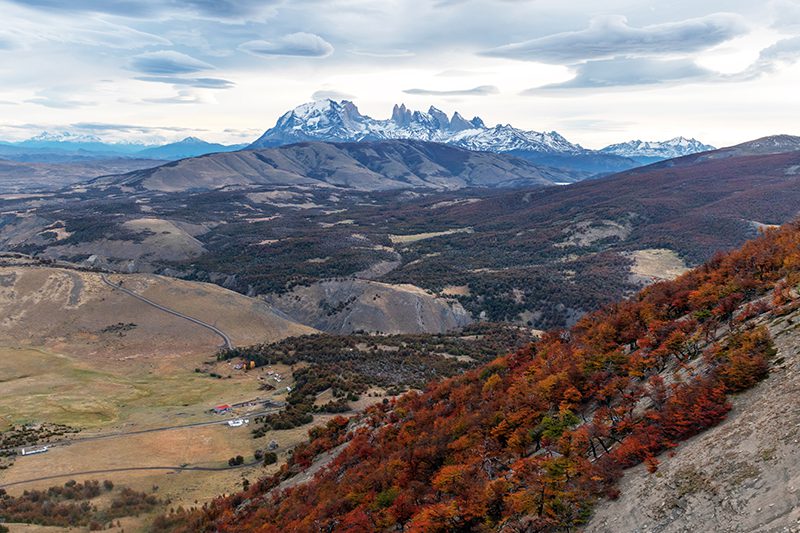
(325, 94)
(126, 128)
(626, 72)
(200, 83)
(599, 124)
(7, 43)
(611, 36)
(183, 97)
(57, 103)
(483, 90)
(111, 7)
(57, 98)
(382, 53)
(770, 59)
(785, 14)
(167, 62)
(295, 44)
(103, 33)
(219, 9)
(457, 73)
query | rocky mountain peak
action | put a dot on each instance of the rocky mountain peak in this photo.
(329, 120)
(459, 123)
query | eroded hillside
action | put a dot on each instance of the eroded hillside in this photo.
(742, 475)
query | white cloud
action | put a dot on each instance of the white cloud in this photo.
(328, 94)
(295, 44)
(182, 97)
(783, 53)
(219, 9)
(629, 72)
(382, 53)
(785, 14)
(6, 42)
(483, 90)
(167, 62)
(646, 71)
(97, 32)
(199, 83)
(612, 36)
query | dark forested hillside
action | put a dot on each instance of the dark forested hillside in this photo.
(375, 166)
(529, 441)
(539, 256)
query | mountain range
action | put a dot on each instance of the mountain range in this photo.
(188, 147)
(341, 121)
(332, 121)
(652, 151)
(67, 147)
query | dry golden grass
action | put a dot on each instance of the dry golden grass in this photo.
(405, 239)
(57, 364)
(657, 263)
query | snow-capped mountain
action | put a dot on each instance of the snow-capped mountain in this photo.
(329, 120)
(658, 150)
(64, 136)
(66, 141)
(66, 146)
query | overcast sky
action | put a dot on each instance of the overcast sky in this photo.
(224, 70)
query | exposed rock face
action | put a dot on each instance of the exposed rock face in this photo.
(742, 476)
(353, 305)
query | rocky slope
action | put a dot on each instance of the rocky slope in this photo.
(361, 305)
(740, 476)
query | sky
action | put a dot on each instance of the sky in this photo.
(722, 71)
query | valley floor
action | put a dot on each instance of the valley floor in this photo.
(137, 382)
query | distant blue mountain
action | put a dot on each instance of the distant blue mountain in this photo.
(188, 147)
(69, 147)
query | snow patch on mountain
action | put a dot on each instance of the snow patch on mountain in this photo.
(677, 147)
(64, 136)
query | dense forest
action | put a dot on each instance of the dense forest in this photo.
(529, 441)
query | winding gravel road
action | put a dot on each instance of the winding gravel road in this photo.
(130, 469)
(227, 343)
(226, 340)
(117, 434)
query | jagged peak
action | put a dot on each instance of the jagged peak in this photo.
(478, 122)
(331, 120)
(459, 123)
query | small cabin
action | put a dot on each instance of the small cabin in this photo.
(224, 408)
